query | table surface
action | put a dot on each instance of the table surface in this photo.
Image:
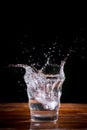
(15, 116)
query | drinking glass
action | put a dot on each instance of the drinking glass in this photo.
(44, 89)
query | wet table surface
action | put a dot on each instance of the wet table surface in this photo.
(16, 116)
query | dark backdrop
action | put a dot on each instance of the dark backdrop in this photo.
(20, 40)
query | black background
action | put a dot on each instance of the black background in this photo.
(18, 36)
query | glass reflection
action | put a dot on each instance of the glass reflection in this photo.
(44, 125)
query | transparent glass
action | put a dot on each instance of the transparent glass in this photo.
(44, 89)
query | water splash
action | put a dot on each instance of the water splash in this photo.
(57, 50)
(42, 86)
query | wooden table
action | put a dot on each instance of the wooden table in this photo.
(16, 116)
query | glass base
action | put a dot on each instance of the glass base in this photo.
(43, 118)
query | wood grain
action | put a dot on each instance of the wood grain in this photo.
(15, 116)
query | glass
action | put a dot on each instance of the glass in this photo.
(44, 90)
